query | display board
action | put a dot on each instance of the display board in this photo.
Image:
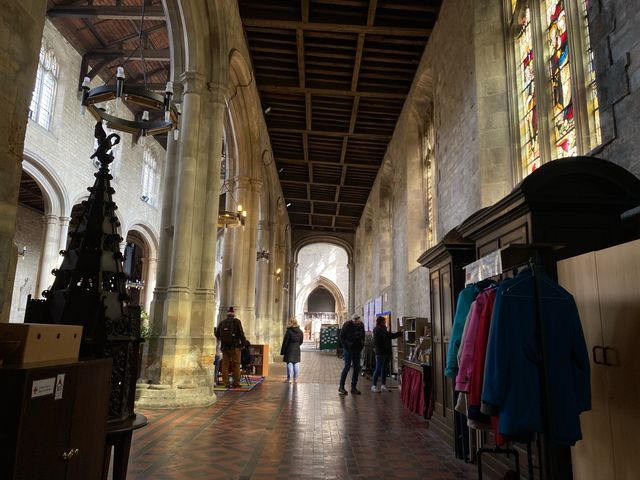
(328, 337)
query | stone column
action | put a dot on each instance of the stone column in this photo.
(262, 286)
(64, 233)
(50, 253)
(181, 349)
(149, 269)
(249, 254)
(21, 24)
(352, 288)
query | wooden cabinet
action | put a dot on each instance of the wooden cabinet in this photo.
(260, 355)
(54, 420)
(606, 287)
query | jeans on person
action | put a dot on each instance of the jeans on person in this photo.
(292, 370)
(350, 357)
(381, 369)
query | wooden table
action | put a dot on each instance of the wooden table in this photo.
(119, 437)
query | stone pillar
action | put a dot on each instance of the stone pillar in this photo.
(352, 289)
(64, 233)
(249, 254)
(21, 24)
(50, 253)
(181, 349)
(262, 287)
(149, 268)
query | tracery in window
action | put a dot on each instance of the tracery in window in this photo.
(560, 79)
(529, 147)
(429, 187)
(42, 99)
(149, 177)
(556, 100)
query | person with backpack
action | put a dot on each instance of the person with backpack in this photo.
(232, 340)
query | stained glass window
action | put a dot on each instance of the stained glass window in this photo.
(41, 106)
(560, 79)
(593, 107)
(529, 147)
(552, 92)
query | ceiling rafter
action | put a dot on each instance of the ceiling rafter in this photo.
(107, 12)
(337, 27)
(336, 74)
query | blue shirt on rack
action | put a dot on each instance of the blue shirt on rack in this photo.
(465, 299)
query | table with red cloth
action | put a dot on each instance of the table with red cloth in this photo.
(416, 388)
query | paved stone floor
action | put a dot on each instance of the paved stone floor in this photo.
(300, 431)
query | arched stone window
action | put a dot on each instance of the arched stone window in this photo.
(429, 179)
(555, 99)
(149, 177)
(44, 92)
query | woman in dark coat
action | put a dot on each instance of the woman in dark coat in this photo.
(382, 338)
(290, 350)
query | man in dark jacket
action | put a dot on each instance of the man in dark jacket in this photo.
(382, 338)
(232, 338)
(352, 339)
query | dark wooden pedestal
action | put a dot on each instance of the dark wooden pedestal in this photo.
(119, 437)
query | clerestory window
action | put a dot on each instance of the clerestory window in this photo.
(44, 92)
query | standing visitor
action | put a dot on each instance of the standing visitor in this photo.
(290, 350)
(382, 340)
(218, 357)
(352, 339)
(232, 339)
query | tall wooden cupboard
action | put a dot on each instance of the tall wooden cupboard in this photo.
(574, 204)
(53, 420)
(606, 287)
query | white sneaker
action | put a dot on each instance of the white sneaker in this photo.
(375, 389)
(383, 388)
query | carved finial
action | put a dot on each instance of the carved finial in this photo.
(105, 144)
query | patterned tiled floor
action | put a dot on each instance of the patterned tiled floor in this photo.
(300, 431)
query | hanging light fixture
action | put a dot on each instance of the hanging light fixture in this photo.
(228, 218)
(138, 95)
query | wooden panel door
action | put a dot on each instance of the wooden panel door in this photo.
(45, 426)
(592, 457)
(619, 286)
(446, 300)
(438, 351)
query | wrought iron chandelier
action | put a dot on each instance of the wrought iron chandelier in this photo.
(138, 95)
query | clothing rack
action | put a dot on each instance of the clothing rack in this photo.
(496, 264)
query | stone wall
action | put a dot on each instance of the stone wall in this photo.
(615, 40)
(29, 231)
(61, 154)
(66, 147)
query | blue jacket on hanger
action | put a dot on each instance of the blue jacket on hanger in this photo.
(512, 380)
(465, 299)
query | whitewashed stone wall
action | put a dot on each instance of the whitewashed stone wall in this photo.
(64, 150)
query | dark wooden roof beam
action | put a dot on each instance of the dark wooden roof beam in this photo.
(134, 36)
(337, 27)
(152, 55)
(329, 91)
(107, 12)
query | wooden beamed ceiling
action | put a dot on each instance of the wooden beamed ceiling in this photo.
(334, 75)
(107, 34)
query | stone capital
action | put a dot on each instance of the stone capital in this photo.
(242, 181)
(192, 82)
(256, 184)
(50, 219)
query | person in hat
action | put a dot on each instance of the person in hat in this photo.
(352, 339)
(232, 338)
